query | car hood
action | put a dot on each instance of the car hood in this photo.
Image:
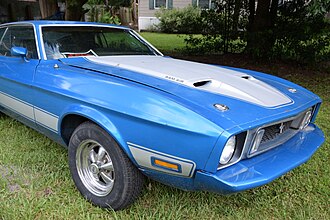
(251, 96)
(201, 76)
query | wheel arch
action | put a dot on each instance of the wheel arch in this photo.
(76, 115)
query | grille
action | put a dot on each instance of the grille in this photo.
(275, 131)
(275, 134)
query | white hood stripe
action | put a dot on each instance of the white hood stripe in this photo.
(200, 76)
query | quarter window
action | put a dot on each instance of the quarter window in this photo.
(19, 36)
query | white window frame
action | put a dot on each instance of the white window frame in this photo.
(166, 5)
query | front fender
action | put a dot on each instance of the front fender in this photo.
(98, 118)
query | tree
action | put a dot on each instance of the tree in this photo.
(320, 6)
(237, 8)
(295, 29)
(260, 37)
(74, 10)
(48, 8)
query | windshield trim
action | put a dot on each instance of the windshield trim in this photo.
(136, 35)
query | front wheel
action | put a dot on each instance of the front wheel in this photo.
(101, 170)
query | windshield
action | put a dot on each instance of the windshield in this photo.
(71, 41)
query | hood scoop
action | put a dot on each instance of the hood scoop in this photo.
(236, 88)
(199, 76)
(246, 77)
(210, 85)
(202, 83)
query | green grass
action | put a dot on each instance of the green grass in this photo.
(35, 181)
(166, 43)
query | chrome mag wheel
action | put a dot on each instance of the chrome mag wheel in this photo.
(101, 170)
(95, 167)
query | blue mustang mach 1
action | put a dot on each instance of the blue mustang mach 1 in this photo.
(125, 111)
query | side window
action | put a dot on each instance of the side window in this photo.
(19, 36)
(2, 31)
(2, 48)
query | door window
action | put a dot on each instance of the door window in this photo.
(19, 36)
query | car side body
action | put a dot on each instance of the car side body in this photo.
(172, 118)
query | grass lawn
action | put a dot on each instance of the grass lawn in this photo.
(166, 43)
(35, 182)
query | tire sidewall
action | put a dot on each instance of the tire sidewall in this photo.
(93, 132)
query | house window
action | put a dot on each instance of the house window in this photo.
(204, 4)
(160, 4)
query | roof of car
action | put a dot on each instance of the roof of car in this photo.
(53, 22)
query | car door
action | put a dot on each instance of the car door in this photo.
(17, 72)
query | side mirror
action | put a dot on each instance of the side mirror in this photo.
(18, 52)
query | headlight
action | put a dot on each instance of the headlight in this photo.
(228, 150)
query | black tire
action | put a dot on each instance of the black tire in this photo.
(102, 172)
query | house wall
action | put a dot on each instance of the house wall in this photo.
(144, 10)
(181, 3)
(147, 19)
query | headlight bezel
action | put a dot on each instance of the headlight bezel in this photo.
(306, 119)
(238, 152)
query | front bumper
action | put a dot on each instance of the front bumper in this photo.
(263, 168)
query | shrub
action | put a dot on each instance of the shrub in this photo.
(99, 12)
(218, 33)
(300, 31)
(204, 44)
(185, 21)
(213, 44)
(301, 35)
(107, 18)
